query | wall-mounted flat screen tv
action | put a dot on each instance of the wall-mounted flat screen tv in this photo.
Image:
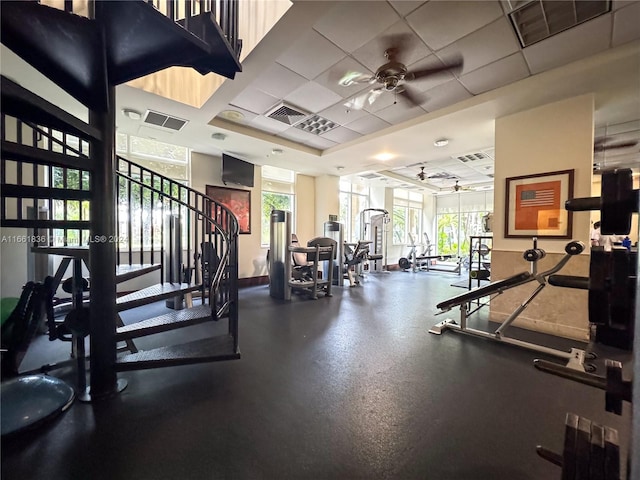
(236, 171)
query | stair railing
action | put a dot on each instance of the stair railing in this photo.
(144, 193)
(57, 180)
(225, 13)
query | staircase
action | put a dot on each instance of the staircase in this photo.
(52, 159)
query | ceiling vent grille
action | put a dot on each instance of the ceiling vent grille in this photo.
(370, 176)
(472, 157)
(540, 19)
(286, 114)
(317, 125)
(164, 120)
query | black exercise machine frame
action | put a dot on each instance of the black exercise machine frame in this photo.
(575, 357)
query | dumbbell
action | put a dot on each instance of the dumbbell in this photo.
(617, 202)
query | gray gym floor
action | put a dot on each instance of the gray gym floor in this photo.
(348, 387)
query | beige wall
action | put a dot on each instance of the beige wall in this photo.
(327, 199)
(553, 137)
(206, 170)
(305, 212)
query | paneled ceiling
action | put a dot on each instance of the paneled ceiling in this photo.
(302, 60)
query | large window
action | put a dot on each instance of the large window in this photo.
(458, 217)
(407, 216)
(354, 198)
(278, 186)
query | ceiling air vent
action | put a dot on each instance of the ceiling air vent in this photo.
(286, 114)
(317, 125)
(472, 157)
(540, 19)
(164, 120)
(369, 176)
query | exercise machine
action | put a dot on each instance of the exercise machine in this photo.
(375, 231)
(355, 255)
(575, 358)
(415, 262)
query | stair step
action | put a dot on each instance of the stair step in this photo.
(8, 190)
(27, 153)
(19, 102)
(26, 223)
(152, 294)
(211, 349)
(128, 272)
(163, 323)
(222, 60)
(135, 52)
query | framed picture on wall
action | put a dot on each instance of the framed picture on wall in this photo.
(534, 205)
(236, 200)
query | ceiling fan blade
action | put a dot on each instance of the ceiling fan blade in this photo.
(602, 146)
(360, 101)
(374, 94)
(454, 67)
(351, 78)
(410, 95)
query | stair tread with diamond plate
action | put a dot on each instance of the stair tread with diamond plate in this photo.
(152, 294)
(163, 323)
(210, 349)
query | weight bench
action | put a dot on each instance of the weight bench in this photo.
(575, 357)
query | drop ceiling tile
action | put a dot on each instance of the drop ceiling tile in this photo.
(445, 95)
(484, 46)
(297, 135)
(442, 23)
(496, 74)
(268, 124)
(581, 41)
(298, 59)
(320, 142)
(341, 135)
(313, 97)
(398, 113)
(332, 76)
(408, 45)
(368, 124)
(352, 24)
(404, 7)
(254, 100)
(626, 23)
(341, 114)
(278, 81)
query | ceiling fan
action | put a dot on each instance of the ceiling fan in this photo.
(457, 187)
(391, 77)
(603, 144)
(436, 176)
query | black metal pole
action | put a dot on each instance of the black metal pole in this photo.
(102, 255)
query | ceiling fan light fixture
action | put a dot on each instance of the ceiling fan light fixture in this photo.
(441, 142)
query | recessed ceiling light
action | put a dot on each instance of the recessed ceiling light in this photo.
(441, 142)
(132, 114)
(233, 115)
(383, 157)
(339, 168)
(277, 151)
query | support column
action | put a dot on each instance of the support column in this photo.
(102, 255)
